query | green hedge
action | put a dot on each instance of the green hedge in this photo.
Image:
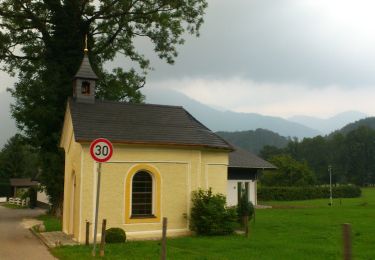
(5, 190)
(115, 235)
(306, 193)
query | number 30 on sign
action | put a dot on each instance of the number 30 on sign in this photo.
(101, 150)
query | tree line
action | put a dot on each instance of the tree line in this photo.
(350, 155)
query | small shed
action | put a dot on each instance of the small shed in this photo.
(42, 199)
(243, 170)
(22, 183)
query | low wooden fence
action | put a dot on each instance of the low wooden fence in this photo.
(19, 201)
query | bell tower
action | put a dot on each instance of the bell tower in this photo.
(85, 80)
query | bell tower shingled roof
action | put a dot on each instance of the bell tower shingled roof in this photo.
(85, 70)
(85, 80)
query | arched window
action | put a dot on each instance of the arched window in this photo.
(142, 195)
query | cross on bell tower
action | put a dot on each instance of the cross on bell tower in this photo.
(85, 80)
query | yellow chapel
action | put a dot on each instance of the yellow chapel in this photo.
(161, 154)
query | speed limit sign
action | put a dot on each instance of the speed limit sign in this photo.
(101, 150)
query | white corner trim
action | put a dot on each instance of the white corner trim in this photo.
(156, 231)
(80, 195)
(206, 175)
(206, 171)
(188, 195)
(70, 140)
(199, 170)
(176, 162)
(143, 224)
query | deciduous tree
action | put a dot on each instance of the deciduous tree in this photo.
(41, 42)
(18, 159)
(289, 172)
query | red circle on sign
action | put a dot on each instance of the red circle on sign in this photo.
(101, 150)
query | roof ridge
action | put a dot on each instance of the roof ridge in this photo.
(135, 104)
(145, 123)
(208, 130)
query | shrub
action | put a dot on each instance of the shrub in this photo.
(306, 193)
(115, 235)
(209, 214)
(245, 207)
(22, 193)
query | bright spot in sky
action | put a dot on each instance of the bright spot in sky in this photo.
(353, 19)
(285, 100)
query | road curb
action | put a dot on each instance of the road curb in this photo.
(41, 238)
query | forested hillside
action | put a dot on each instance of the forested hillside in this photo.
(369, 122)
(351, 155)
(350, 151)
(255, 140)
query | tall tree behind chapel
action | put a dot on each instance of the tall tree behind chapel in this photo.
(41, 43)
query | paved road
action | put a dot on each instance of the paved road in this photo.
(16, 241)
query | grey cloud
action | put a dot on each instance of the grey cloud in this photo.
(263, 40)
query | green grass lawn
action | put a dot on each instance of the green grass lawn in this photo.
(13, 206)
(294, 230)
(51, 222)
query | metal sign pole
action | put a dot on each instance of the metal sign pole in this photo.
(97, 208)
(330, 184)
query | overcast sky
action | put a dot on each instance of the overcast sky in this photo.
(280, 58)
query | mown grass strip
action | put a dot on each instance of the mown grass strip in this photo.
(301, 230)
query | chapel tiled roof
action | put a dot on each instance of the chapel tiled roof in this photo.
(141, 124)
(85, 71)
(240, 158)
(22, 182)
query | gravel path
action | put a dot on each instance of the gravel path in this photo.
(16, 241)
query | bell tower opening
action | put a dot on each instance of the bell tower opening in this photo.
(85, 88)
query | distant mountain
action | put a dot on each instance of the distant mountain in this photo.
(226, 120)
(255, 140)
(331, 124)
(7, 124)
(369, 122)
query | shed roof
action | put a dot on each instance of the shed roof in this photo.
(85, 71)
(239, 158)
(141, 124)
(23, 182)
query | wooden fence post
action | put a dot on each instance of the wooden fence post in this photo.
(87, 232)
(164, 240)
(246, 225)
(346, 230)
(102, 242)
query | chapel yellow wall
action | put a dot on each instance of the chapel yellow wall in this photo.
(72, 166)
(182, 170)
